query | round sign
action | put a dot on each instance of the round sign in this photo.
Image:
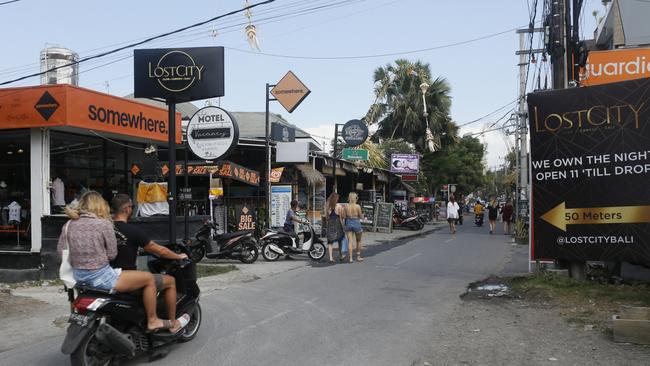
(354, 132)
(212, 133)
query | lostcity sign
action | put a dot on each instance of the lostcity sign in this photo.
(179, 74)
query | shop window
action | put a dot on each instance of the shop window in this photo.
(14, 190)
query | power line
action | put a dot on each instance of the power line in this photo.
(487, 115)
(9, 2)
(376, 55)
(140, 42)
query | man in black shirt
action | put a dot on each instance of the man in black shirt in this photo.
(130, 239)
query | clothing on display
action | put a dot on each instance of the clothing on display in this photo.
(14, 212)
(58, 192)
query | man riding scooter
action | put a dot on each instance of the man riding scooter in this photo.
(130, 239)
(478, 213)
(289, 220)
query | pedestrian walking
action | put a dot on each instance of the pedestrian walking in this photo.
(506, 215)
(335, 233)
(493, 212)
(452, 213)
(353, 229)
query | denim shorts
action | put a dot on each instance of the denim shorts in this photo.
(104, 278)
(353, 224)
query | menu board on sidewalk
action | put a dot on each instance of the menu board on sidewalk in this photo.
(384, 216)
(368, 210)
(280, 204)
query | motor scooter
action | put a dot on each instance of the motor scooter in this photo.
(478, 219)
(279, 243)
(106, 327)
(239, 245)
(411, 223)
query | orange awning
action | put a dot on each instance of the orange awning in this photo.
(70, 106)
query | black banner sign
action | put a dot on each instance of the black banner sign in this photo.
(590, 164)
(245, 217)
(179, 74)
(211, 133)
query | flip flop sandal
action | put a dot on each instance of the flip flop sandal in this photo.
(183, 321)
(167, 324)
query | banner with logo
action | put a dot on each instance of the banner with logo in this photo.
(179, 74)
(276, 174)
(590, 165)
(405, 163)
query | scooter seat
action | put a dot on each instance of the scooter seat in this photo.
(84, 289)
(226, 236)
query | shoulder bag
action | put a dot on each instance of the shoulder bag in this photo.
(65, 270)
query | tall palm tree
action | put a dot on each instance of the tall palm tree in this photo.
(398, 107)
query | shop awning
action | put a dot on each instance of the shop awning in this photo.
(329, 171)
(311, 175)
(77, 109)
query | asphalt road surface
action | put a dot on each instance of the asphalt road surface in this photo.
(383, 311)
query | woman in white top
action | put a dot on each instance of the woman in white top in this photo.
(452, 213)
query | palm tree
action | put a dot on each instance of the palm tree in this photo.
(398, 106)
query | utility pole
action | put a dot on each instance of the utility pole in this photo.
(521, 133)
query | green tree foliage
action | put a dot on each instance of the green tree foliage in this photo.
(460, 163)
(398, 108)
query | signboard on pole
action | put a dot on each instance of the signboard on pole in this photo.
(405, 163)
(179, 74)
(354, 132)
(290, 91)
(280, 204)
(355, 154)
(590, 162)
(212, 133)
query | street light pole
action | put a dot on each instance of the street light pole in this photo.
(428, 135)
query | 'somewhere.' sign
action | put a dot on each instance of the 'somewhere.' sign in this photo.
(212, 133)
(290, 91)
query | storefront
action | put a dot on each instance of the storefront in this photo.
(60, 141)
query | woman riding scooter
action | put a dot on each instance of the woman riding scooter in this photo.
(478, 213)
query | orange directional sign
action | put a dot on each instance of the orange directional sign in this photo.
(560, 216)
(290, 91)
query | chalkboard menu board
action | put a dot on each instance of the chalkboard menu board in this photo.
(384, 218)
(368, 213)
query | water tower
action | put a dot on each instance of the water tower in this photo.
(59, 57)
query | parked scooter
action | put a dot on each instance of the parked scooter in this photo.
(279, 243)
(106, 328)
(412, 222)
(478, 219)
(239, 245)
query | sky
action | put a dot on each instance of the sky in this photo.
(333, 46)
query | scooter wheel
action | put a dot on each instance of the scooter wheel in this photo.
(268, 254)
(197, 253)
(317, 251)
(192, 328)
(90, 352)
(249, 252)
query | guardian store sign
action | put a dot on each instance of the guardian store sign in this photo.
(212, 133)
(179, 74)
(590, 166)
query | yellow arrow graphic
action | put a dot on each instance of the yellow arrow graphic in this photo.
(560, 216)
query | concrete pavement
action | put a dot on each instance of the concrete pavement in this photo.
(34, 312)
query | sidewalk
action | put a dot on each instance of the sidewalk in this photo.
(34, 313)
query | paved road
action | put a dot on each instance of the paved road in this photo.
(384, 311)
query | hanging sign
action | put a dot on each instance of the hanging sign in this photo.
(212, 133)
(179, 74)
(590, 164)
(355, 154)
(280, 132)
(354, 132)
(290, 91)
(405, 163)
(225, 169)
(276, 174)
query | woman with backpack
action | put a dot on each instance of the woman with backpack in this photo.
(335, 222)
